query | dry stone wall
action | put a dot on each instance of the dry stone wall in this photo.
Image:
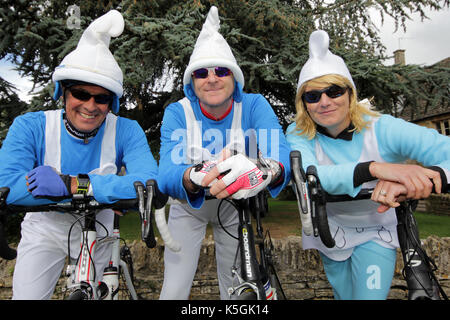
(300, 271)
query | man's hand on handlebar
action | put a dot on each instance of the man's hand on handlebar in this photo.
(232, 175)
(45, 181)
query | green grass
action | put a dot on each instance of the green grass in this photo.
(283, 217)
(130, 226)
(430, 224)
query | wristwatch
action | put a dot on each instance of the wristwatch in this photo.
(83, 183)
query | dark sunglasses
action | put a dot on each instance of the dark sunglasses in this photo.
(333, 92)
(83, 95)
(204, 72)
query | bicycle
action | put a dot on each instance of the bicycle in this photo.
(418, 268)
(257, 278)
(81, 272)
(310, 200)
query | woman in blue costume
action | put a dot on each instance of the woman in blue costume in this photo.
(355, 147)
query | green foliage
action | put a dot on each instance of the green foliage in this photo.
(11, 106)
(268, 37)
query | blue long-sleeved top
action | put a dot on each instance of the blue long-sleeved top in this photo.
(398, 140)
(387, 140)
(24, 149)
(257, 114)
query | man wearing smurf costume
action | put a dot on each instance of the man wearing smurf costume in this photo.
(206, 141)
(79, 149)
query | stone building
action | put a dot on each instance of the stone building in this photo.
(437, 118)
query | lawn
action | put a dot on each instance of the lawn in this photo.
(283, 220)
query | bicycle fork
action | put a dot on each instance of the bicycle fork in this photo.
(111, 272)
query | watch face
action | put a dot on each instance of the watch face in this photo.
(82, 183)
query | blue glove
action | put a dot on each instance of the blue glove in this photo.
(44, 181)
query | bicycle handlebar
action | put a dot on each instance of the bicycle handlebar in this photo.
(310, 200)
(158, 200)
(77, 205)
(147, 234)
(319, 213)
(301, 191)
(81, 204)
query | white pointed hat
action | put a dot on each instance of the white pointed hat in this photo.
(212, 50)
(321, 61)
(92, 61)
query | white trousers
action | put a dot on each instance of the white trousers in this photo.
(43, 249)
(188, 227)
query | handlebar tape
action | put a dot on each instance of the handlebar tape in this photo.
(160, 218)
(321, 219)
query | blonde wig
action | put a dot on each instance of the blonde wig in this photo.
(306, 126)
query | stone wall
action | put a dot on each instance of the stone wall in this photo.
(436, 204)
(300, 271)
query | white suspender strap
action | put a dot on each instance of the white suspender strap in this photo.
(52, 155)
(108, 154)
(236, 138)
(194, 144)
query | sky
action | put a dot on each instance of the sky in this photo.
(425, 43)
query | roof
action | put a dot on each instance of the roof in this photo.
(424, 114)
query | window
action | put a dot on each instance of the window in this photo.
(446, 127)
(443, 127)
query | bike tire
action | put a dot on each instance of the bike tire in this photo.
(247, 294)
(275, 283)
(77, 295)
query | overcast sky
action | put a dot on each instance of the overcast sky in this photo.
(425, 43)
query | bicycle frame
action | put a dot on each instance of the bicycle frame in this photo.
(253, 274)
(108, 288)
(81, 276)
(117, 265)
(418, 268)
(81, 280)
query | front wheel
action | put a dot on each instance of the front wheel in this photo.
(78, 295)
(275, 282)
(245, 294)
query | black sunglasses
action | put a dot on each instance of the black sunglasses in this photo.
(86, 96)
(204, 72)
(333, 92)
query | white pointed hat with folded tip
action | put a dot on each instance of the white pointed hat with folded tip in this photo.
(321, 61)
(92, 61)
(212, 50)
